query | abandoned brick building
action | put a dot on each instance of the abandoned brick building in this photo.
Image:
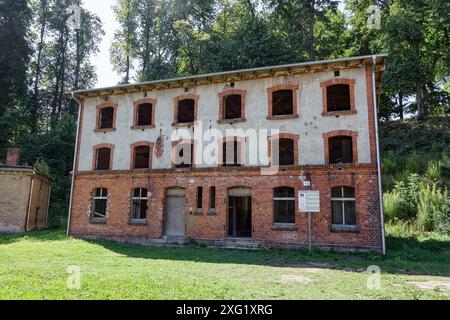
(24, 196)
(315, 122)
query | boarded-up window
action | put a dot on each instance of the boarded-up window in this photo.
(142, 157)
(184, 155)
(186, 110)
(283, 152)
(338, 97)
(343, 206)
(106, 118)
(340, 149)
(232, 106)
(282, 103)
(231, 151)
(99, 201)
(284, 205)
(139, 204)
(144, 114)
(103, 159)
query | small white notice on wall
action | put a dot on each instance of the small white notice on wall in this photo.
(309, 201)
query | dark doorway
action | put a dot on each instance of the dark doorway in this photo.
(240, 213)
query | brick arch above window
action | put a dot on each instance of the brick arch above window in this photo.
(222, 96)
(133, 154)
(294, 137)
(100, 107)
(103, 146)
(179, 98)
(332, 82)
(285, 86)
(136, 105)
(341, 133)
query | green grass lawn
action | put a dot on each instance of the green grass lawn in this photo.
(34, 266)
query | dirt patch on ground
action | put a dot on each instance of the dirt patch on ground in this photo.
(432, 285)
(295, 278)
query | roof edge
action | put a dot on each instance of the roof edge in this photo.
(225, 73)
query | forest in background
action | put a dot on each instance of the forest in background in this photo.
(42, 60)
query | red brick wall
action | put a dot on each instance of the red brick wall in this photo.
(206, 226)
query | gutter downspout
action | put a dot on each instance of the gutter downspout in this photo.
(380, 190)
(74, 169)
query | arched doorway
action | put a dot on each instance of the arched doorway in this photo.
(240, 212)
(175, 212)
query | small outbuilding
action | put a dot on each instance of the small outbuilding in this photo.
(24, 196)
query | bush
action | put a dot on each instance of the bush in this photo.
(434, 209)
(415, 164)
(392, 206)
(391, 164)
(408, 196)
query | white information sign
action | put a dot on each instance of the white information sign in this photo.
(309, 201)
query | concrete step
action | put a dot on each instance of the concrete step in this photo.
(237, 244)
(174, 240)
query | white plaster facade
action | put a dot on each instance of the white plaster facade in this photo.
(310, 125)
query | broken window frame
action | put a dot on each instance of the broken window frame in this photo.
(289, 201)
(101, 124)
(99, 195)
(137, 201)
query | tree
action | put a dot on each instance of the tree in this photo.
(14, 56)
(124, 43)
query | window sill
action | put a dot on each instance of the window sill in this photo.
(283, 117)
(105, 130)
(197, 212)
(137, 222)
(344, 229)
(284, 227)
(97, 221)
(182, 124)
(231, 121)
(212, 212)
(151, 126)
(338, 113)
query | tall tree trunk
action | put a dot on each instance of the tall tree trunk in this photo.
(310, 32)
(127, 70)
(37, 71)
(400, 105)
(419, 100)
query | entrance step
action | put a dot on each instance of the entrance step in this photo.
(237, 243)
(174, 240)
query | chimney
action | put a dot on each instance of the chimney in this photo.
(13, 157)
